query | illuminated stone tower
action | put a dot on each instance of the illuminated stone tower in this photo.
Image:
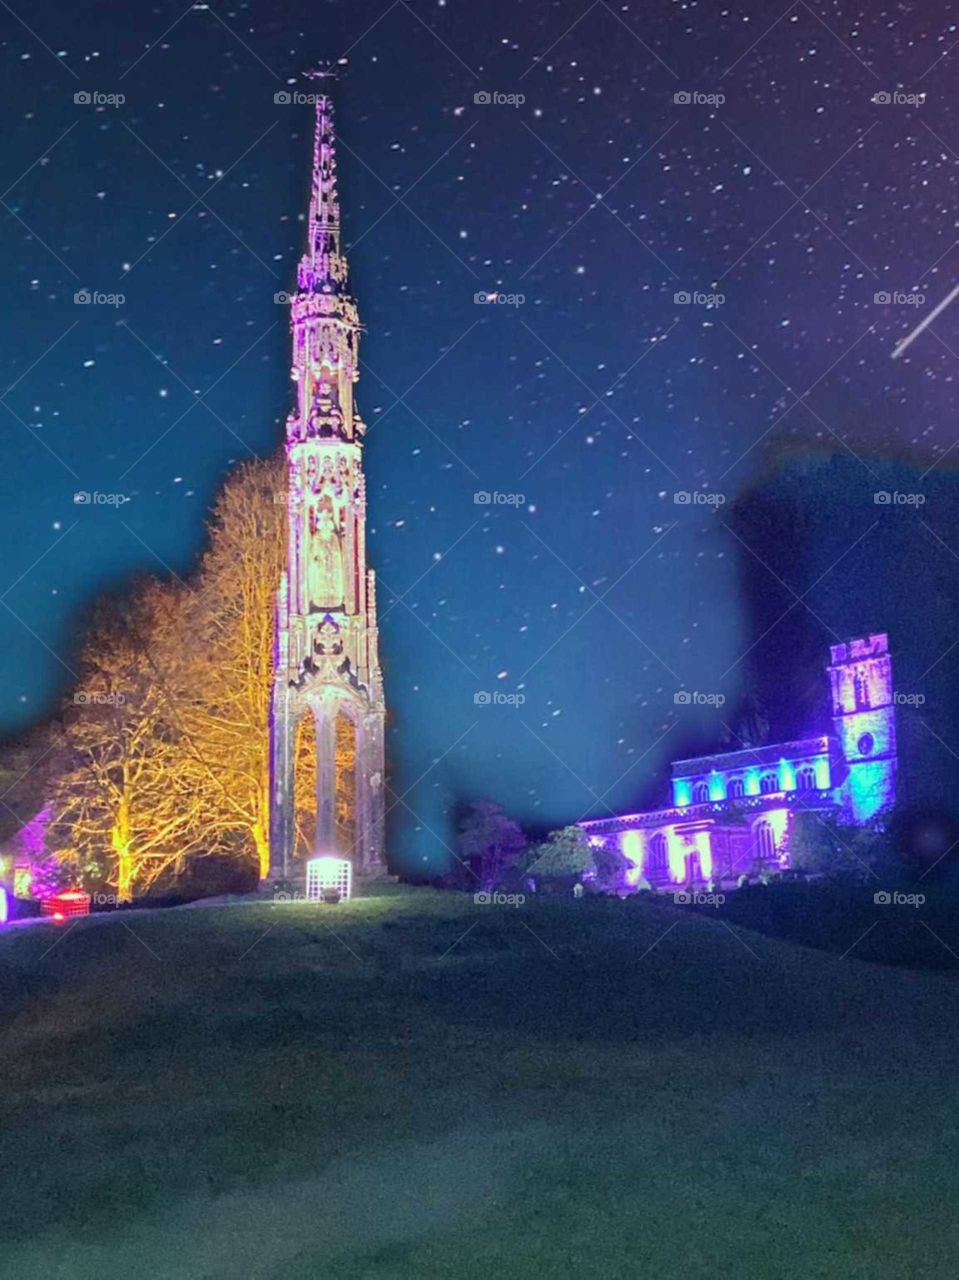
(863, 712)
(326, 663)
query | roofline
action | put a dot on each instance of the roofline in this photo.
(740, 806)
(818, 745)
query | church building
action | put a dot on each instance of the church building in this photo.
(731, 812)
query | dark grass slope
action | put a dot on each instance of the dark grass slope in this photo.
(414, 1085)
(919, 931)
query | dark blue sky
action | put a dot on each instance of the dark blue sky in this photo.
(598, 399)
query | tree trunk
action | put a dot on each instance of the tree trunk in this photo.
(262, 848)
(121, 840)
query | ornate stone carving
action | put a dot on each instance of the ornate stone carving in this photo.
(326, 651)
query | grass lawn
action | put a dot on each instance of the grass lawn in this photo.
(841, 917)
(412, 1085)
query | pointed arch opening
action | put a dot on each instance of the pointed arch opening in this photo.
(304, 787)
(658, 856)
(765, 841)
(345, 783)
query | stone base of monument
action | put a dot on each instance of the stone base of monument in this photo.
(294, 888)
(362, 884)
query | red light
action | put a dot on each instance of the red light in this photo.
(72, 902)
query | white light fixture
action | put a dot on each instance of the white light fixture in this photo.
(329, 879)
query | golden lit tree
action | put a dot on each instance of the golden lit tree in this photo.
(222, 680)
(304, 787)
(166, 734)
(122, 803)
(345, 798)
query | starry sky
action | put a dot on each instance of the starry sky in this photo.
(655, 465)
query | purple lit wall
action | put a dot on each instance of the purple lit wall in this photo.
(740, 819)
(865, 720)
(32, 837)
(631, 847)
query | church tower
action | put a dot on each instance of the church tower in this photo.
(864, 716)
(326, 664)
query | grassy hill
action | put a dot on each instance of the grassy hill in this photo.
(413, 1085)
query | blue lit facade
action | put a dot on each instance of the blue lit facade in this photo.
(731, 812)
(865, 725)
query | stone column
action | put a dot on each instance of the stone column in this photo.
(325, 780)
(370, 791)
(281, 786)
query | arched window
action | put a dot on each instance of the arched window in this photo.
(806, 778)
(765, 841)
(700, 793)
(768, 783)
(736, 789)
(658, 853)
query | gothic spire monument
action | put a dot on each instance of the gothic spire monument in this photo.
(326, 663)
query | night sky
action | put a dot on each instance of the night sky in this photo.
(598, 398)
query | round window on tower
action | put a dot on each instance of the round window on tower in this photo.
(866, 744)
